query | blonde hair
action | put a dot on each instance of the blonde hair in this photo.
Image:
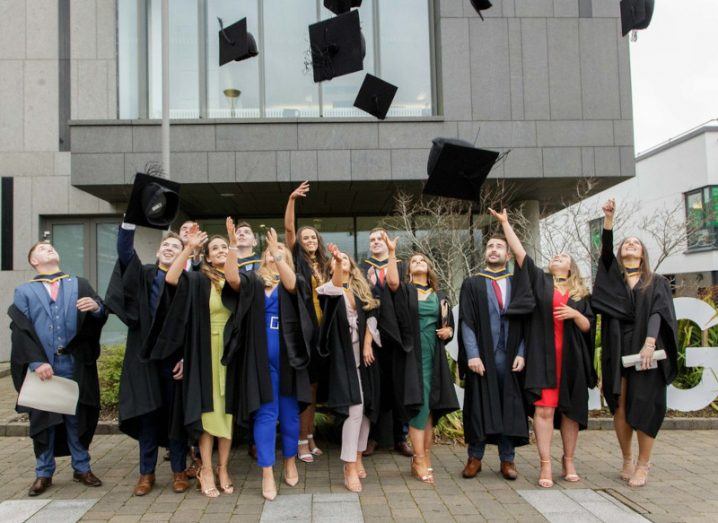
(576, 286)
(431, 275)
(264, 272)
(360, 287)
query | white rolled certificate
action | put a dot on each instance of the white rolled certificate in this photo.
(57, 394)
(635, 359)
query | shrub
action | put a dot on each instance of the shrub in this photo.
(109, 368)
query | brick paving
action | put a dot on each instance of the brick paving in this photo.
(682, 484)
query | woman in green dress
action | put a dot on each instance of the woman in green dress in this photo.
(209, 384)
(426, 385)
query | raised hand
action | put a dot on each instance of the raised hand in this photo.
(502, 217)
(301, 191)
(335, 252)
(196, 238)
(609, 208)
(390, 245)
(272, 241)
(231, 233)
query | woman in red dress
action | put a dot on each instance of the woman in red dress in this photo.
(559, 353)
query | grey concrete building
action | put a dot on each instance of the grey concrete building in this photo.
(548, 79)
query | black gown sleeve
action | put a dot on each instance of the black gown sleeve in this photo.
(607, 247)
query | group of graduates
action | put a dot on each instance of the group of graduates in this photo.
(221, 338)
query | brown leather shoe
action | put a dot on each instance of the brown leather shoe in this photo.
(180, 483)
(472, 468)
(39, 486)
(88, 479)
(404, 449)
(144, 484)
(370, 448)
(508, 470)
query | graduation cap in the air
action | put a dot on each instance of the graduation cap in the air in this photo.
(337, 46)
(480, 5)
(154, 202)
(635, 14)
(375, 96)
(339, 7)
(457, 169)
(235, 43)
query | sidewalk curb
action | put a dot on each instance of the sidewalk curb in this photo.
(20, 428)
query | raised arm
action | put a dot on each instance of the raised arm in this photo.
(290, 230)
(514, 243)
(195, 242)
(231, 270)
(286, 275)
(126, 243)
(609, 211)
(337, 280)
(392, 269)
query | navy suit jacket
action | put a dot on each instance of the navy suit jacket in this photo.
(33, 300)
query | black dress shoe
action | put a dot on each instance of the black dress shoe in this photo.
(404, 449)
(39, 486)
(88, 479)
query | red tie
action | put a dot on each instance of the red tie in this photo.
(380, 272)
(497, 291)
(54, 289)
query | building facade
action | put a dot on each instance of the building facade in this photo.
(80, 86)
(676, 185)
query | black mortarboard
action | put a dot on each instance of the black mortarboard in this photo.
(337, 46)
(339, 7)
(375, 96)
(457, 169)
(635, 14)
(154, 202)
(480, 5)
(235, 43)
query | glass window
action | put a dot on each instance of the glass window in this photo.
(69, 241)
(127, 52)
(223, 82)
(290, 90)
(339, 231)
(114, 330)
(701, 225)
(595, 230)
(184, 59)
(405, 55)
(338, 94)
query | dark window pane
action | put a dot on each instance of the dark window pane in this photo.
(69, 241)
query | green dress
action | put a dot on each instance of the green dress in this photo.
(428, 320)
(217, 423)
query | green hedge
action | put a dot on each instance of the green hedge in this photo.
(109, 368)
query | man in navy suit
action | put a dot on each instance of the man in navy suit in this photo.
(56, 324)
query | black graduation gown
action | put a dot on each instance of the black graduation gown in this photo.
(335, 343)
(185, 324)
(246, 350)
(624, 324)
(128, 297)
(409, 386)
(577, 371)
(488, 414)
(85, 348)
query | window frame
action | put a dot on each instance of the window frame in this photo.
(705, 193)
(143, 73)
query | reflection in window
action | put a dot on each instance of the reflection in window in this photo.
(290, 88)
(223, 82)
(184, 59)
(702, 218)
(114, 330)
(69, 241)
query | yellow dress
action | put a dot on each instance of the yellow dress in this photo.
(217, 422)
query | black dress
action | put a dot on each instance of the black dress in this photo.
(628, 316)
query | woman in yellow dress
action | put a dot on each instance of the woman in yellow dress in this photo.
(209, 306)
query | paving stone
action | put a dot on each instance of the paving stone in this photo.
(288, 508)
(62, 510)
(17, 511)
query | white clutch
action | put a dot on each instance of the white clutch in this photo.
(635, 360)
(57, 394)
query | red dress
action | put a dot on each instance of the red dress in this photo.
(549, 397)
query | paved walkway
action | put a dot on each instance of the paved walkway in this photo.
(682, 487)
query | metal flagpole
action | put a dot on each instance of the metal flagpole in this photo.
(166, 87)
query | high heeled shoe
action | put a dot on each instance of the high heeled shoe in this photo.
(420, 471)
(545, 482)
(316, 451)
(351, 484)
(292, 481)
(571, 478)
(229, 487)
(210, 492)
(629, 468)
(269, 491)
(640, 476)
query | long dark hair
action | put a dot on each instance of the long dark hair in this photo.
(321, 257)
(431, 275)
(645, 265)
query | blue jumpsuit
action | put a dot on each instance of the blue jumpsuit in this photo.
(284, 409)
